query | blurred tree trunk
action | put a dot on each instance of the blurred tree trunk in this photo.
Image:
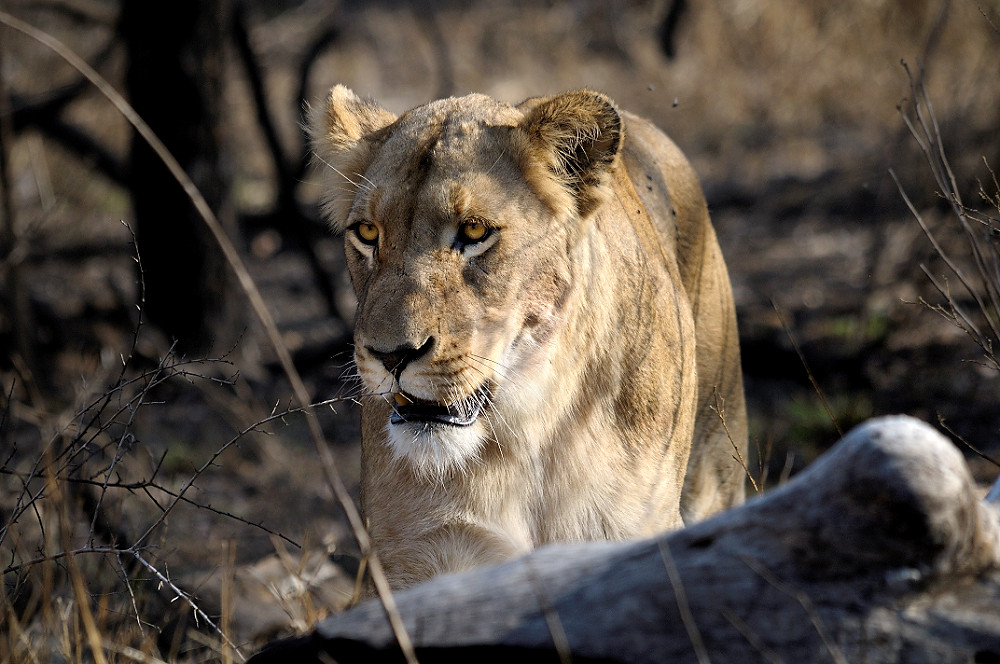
(15, 310)
(174, 81)
(667, 32)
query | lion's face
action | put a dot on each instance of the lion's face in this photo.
(438, 238)
(459, 231)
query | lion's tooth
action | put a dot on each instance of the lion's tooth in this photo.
(401, 400)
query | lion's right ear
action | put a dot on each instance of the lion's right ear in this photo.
(341, 133)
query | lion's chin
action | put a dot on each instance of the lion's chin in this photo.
(435, 449)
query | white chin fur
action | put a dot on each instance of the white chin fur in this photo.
(435, 449)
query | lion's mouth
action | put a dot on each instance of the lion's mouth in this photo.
(464, 413)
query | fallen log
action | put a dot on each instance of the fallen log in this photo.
(881, 551)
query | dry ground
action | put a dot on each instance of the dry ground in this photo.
(788, 112)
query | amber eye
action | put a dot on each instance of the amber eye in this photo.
(367, 232)
(473, 231)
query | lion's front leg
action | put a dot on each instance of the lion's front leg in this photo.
(447, 548)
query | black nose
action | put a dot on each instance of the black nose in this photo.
(396, 360)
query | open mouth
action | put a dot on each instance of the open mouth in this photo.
(409, 409)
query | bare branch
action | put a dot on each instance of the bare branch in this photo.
(719, 407)
(983, 287)
(180, 594)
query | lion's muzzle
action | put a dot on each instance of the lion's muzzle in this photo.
(463, 413)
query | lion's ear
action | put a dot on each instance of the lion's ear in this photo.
(341, 132)
(346, 119)
(577, 136)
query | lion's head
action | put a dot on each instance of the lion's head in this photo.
(461, 218)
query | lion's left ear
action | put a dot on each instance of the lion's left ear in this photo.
(577, 136)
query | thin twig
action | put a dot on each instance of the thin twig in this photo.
(753, 639)
(551, 616)
(189, 483)
(962, 440)
(60, 555)
(967, 322)
(180, 594)
(720, 409)
(136, 554)
(683, 606)
(988, 19)
(76, 577)
(149, 482)
(945, 178)
(805, 365)
(132, 653)
(803, 600)
(128, 585)
(926, 132)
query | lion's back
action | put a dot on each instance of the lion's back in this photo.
(669, 189)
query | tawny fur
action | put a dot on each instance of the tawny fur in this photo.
(595, 323)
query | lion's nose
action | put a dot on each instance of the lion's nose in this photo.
(396, 360)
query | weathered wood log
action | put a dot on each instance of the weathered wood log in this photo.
(881, 551)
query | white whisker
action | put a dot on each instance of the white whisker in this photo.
(336, 170)
(369, 184)
(497, 161)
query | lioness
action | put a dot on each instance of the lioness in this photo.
(545, 328)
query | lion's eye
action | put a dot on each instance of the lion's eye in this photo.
(366, 231)
(473, 231)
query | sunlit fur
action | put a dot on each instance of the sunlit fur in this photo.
(593, 326)
(435, 451)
